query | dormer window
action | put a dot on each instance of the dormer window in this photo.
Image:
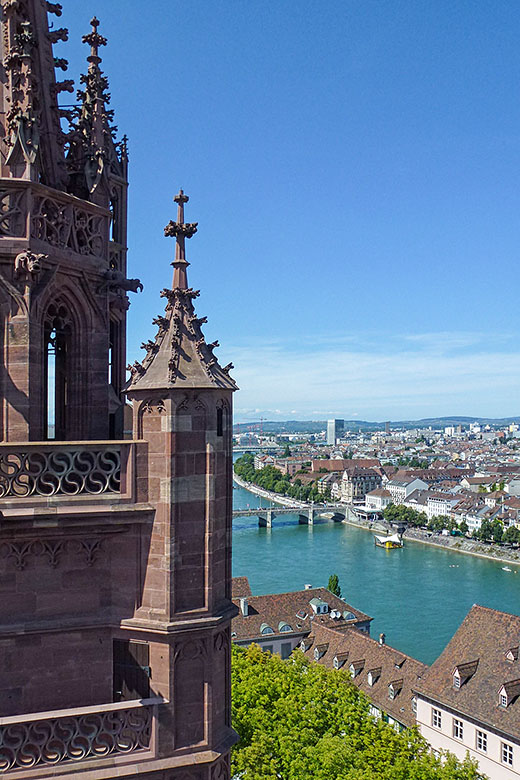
(306, 643)
(373, 676)
(512, 654)
(464, 672)
(508, 693)
(356, 667)
(394, 688)
(320, 651)
(319, 607)
(339, 660)
(265, 629)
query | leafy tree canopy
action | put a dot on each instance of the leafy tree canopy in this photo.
(299, 720)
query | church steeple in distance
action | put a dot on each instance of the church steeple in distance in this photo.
(179, 355)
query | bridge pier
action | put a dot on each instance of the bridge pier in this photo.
(266, 520)
(306, 515)
(307, 518)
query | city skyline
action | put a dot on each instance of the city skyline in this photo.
(355, 179)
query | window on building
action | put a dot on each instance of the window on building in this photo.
(57, 369)
(507, 754)
(267, 648)
(220, 422)
(458, 729)
(503, 700)
(375, 712)
(481, 741)
(286, 649)
(456, 681)
(436, 718)
(131, 675)
(414, 705)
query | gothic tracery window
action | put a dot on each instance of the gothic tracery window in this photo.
(57, 348)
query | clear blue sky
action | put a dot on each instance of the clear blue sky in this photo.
(354, 166)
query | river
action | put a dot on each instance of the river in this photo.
(418, 595)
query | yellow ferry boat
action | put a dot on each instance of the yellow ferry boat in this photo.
(388, 542)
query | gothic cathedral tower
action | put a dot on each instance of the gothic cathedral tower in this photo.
(115, 553)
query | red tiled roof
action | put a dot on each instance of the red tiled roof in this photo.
(485, 635)
(240, 587)
(392, 667)
(294, 609)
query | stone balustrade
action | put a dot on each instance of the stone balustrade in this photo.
(29, 210)
(65, 737)
(44, 470)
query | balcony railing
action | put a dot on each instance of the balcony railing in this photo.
(30, 210)
(65, 737)
(44, 470)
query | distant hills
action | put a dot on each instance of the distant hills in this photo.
(315, 426)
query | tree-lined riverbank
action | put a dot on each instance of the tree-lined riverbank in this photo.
(418, 596)
(453, 543)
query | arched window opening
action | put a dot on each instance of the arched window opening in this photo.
(115, 231)
(57, 340)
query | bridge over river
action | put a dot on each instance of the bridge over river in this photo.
(306, 514)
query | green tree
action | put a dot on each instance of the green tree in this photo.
(463, 527)
(497, 531)
(485, 531)
(287, 451)
(512, 535)
(333, 585)
(300, 720)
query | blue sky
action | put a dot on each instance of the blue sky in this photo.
(354, 169)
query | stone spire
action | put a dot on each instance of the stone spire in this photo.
(32, 143)
(93, 154)
(179, 355)
(181, 231)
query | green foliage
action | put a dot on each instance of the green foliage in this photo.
(287, 451)
(347, 455)
(334, 586)
(414, 463)
(463, 527)
(441, 522)
(512, 535)
(299, 720)
(272, 479)
(498, 531)
(485, 531)
(398, 514)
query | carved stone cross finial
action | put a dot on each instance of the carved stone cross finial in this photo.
(180, 230)
(95, 40)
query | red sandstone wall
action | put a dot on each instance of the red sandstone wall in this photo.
(55, 670)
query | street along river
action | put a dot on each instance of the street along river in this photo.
(418, 595)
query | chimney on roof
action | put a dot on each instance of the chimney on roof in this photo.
(307, 586)
(244, 607)
(382, 639)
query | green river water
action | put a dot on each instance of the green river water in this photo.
(417, 595)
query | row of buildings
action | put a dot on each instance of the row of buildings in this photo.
(466, 702)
